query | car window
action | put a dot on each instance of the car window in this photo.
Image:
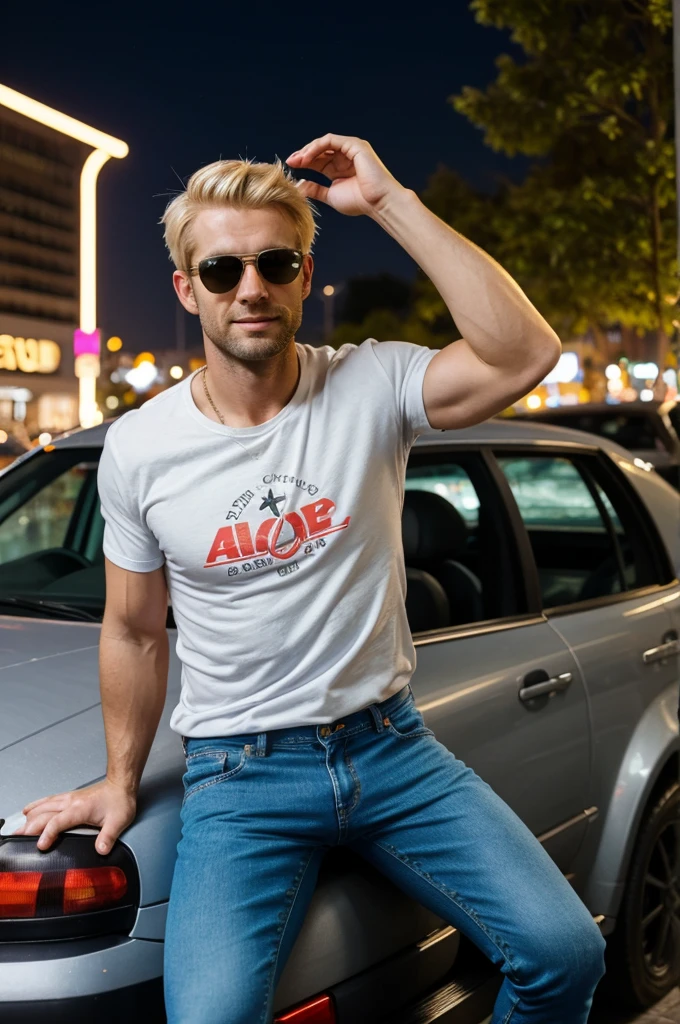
(461, 564)
(42, 521)
(51, 531)
(583, 545)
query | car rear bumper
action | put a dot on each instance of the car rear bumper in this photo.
(136, 1003)
(56, 973)
(115, 979)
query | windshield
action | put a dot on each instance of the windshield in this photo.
(51, 529)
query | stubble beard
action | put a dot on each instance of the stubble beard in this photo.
(238, 344)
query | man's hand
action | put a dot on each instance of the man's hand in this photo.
(104, 804)
(360, 182)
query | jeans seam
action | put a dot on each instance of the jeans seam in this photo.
(506, 1019)
(500, 945)
(220, 778)
(297, 884)
(357, 782)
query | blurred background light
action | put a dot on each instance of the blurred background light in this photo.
(642, 371)
(176, 372)
(142, 375)
(114, 344)
(112, 402)
(144, 357)
(534, 401)
(44, 438)
(646, 394)
(565, 371)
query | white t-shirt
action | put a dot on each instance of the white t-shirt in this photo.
(281, 542)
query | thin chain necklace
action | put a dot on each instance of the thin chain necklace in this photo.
(221, 417)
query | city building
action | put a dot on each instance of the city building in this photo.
(39, 274)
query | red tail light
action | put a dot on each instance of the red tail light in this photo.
(68, 891)
(93, 889)
(316, 1011)
(19, 893)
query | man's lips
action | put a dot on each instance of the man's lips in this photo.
(256, 319)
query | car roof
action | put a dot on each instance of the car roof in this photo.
(493, 431)
(583, 408)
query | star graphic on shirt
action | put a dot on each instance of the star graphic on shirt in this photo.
(271, 503)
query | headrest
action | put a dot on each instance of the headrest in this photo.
(431, 528)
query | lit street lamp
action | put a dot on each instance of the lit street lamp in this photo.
(328, 294)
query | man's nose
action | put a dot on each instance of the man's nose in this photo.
(251, 286)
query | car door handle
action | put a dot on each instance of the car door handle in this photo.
(560, 682)
(665, 650)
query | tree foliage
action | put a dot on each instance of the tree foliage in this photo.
(590, 235)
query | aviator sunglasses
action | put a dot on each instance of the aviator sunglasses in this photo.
(222, 273)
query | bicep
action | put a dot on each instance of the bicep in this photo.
(136, 602)
(460, 389)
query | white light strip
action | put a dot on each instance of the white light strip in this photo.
(88, 239)
(61, 122)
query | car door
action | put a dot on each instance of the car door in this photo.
(499, 687)
(604, 582)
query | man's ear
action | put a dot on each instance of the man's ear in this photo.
(307, 271)
(185, 292)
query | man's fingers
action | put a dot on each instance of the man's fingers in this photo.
(311, 190)
(348, 145)
(106, 838)
(41, 800)
(57, 824)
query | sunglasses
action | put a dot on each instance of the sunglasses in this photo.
(220, 274)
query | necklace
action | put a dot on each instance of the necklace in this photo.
(221, 417)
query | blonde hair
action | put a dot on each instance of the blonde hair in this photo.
(243, 185)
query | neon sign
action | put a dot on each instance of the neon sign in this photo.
(26, 355)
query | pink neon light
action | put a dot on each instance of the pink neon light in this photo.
(84, 343)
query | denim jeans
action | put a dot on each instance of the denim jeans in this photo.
(259, 813)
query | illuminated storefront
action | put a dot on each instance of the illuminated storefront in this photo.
(38, 386)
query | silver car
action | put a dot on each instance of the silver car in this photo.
(542, 567)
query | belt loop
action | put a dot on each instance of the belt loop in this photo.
(184, 745)
(262, 744)
(377, 717)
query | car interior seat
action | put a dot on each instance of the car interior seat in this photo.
(435, 541)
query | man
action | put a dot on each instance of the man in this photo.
(265, 492)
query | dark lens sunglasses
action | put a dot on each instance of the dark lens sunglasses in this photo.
(220, 274)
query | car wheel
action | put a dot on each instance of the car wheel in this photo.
(643, 953)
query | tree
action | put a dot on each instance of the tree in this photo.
(590, 234)
(387, 308)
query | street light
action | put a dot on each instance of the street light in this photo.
(86, 342)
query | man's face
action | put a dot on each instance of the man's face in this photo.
(222, 231)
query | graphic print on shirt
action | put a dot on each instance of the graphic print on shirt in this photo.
(256, 542)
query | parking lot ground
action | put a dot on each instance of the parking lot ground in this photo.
(667, 1011)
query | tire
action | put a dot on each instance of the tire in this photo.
(643, 953)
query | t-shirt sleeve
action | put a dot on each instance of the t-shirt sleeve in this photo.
(405, 365)
(128, 541)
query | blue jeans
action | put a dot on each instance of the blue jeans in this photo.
(259, 813)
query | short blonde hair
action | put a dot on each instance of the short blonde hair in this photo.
(243, 185)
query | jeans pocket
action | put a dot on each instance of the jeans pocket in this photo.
(206, 767)
(406, 721)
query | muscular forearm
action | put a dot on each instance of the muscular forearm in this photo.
(133, 681)
(490, 309)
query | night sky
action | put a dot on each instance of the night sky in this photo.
(184, 88)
